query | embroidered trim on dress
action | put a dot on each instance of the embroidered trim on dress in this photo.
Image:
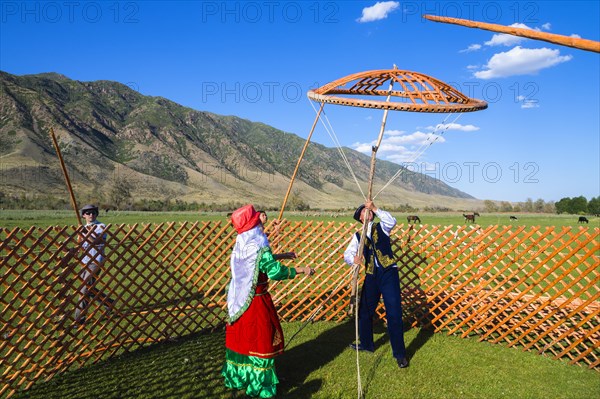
(248, 300)
(248, 365)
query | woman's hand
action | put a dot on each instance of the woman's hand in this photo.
(306, 270)
(285, 255)
(288, 255)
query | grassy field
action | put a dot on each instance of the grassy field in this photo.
(41, 218)
(318, 364)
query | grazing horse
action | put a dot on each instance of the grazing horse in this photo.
(513, 218)
(469, 218)
(476, 214)
(583, 219)
(413, 218)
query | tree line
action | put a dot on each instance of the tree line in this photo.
(578, 206)
(121, 199)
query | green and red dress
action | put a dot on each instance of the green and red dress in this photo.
(253, 336)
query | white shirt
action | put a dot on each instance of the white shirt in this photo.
(388, 222)
(95, 252)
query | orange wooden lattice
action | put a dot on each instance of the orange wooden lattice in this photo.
(528, 287)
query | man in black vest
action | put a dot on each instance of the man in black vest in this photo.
(381, 280)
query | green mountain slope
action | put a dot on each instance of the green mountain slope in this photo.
(111, 135)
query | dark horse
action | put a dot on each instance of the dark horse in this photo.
(469, 218)
(583, 219)
(513, 218)
(413, 218)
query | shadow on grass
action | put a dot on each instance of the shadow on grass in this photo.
(412, 348)
(298, 362)
(191, 368)
(187, 368)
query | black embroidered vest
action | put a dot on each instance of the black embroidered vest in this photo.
(383, 249)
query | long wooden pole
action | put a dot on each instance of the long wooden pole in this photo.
(363, 235)
(66, 175)
(582, 44)
(299, 161)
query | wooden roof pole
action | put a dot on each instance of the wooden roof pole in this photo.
(363, 236)
(582, 44)
(299, 161)
(66, 175)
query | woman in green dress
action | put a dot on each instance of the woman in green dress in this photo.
(253, 334)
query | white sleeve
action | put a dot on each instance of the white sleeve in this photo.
(387, 221)
(99, 231)
(351, 251)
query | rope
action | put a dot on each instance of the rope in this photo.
(421, 150)
(335, 140)
(359, 391)
(338, 147)
(316, 311)
(418, 153)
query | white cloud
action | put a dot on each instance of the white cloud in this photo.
(530, 104)
(527, 103)
(402, 157)
(416, 138)
(393, 132)
(396, 146)
(472, 47)
(503, 39)
(547, 26)
(521, 61)
(453, 126)
(379, 11)
(362, 147)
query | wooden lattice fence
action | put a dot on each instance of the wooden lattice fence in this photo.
(529, 287)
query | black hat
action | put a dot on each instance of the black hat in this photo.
(89, 208)
(358, 211)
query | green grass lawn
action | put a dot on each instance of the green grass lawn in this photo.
(44, 218)
(318, 364)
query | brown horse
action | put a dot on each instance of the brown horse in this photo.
(413, 218)
(469, 218)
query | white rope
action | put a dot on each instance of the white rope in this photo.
(421, 150)
(359, 391)
(316, 311)
(418, 153)
(338, 146)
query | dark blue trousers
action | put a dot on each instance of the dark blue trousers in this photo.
(383, 282)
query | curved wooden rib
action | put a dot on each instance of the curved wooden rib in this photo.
(582, 44)
(413, 91)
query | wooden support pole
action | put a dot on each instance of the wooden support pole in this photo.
(363, 235)
(582, 44)
(299, 161)
(66, 175)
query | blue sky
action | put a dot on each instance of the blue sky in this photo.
(539, 138)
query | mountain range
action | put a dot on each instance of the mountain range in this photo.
(111, 136)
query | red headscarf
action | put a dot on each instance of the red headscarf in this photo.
(245, 218)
